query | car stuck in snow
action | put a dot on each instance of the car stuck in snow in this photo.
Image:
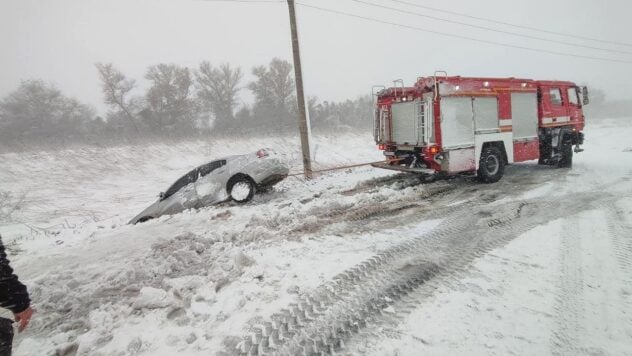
(235, 178)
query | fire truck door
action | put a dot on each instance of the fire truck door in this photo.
(574, 105)
(554, 109)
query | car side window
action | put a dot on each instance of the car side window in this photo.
(193, 176)
(556, 96)
(210, 167)
(181, 183)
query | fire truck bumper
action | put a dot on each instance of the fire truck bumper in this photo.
(424, 171)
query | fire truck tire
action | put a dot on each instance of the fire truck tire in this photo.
(545, 154)
(491, 165)
(567, 157)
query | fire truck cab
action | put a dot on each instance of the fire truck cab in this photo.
(452, 125)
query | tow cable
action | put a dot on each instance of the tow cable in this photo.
(346, 167)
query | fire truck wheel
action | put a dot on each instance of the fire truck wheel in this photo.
(491, 166)
(567, 157)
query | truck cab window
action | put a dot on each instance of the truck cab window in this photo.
(573, 97)
(556, 96)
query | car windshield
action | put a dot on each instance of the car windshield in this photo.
(193, 176)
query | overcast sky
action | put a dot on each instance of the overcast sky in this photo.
(59, 41)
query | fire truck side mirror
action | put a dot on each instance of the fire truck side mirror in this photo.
(585, 99)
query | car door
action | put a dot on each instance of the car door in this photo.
(188, 195)
(210, 186)
(180, 195)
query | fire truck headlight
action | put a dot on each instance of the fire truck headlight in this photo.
(439, 157)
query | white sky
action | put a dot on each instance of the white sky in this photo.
(59, 41)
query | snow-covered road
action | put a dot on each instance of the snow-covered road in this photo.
(360, 261)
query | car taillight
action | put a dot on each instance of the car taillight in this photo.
(262, 153)
(381, 147)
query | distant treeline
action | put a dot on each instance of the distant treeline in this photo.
(601, 108)
(179, 103)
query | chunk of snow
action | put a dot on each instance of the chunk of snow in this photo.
(153, 298)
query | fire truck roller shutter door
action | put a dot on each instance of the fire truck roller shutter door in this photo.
(457, 126)
(524, 114)
(404, 118)
(486, 115)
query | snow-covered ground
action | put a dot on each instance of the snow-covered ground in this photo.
(359, 261)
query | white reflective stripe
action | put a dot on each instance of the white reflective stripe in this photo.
(506, 122)
(555, 120)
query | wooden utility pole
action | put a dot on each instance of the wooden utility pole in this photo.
(300, 94)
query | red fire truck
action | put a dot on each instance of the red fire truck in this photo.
(448, 125)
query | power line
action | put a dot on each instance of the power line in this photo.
(490, 28)
(247, 1)
(511, 24)
(463, 37)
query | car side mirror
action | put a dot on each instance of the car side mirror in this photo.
(585, 98)
(161, 195)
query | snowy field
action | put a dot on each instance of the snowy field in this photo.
(358, 261)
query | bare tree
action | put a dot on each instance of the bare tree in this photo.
(274, 91)
(171, 106)
(217, 90)
(38, 111)
(116, 90)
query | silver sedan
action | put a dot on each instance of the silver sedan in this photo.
(234, 177)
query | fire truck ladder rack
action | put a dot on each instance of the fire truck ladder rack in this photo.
(375, 90)
(421, 122)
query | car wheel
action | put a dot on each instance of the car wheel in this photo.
(241, 189)
(491, 166)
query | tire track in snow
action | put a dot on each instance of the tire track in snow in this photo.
(620, 229)
(323, 321)
(569, 307)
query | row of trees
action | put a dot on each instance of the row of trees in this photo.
(178, 102)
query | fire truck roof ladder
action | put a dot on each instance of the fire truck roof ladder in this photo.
(375, 91)
(401, 82)
(436, 84)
